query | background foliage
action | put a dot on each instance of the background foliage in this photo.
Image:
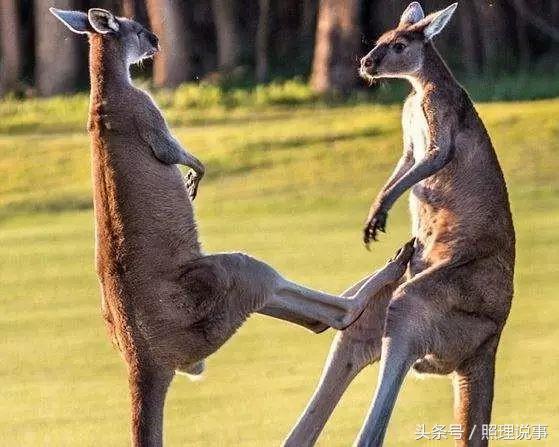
(494, 44)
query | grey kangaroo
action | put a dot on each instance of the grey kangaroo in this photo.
(447, 317)
(167, 305)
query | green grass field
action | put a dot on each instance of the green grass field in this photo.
(292, 187)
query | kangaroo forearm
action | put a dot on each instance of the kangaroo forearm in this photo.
(187, 159)
(180, 156)
(420, 171)
(169, 151)
(404, 165)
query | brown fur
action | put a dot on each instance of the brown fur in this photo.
(448, 316)
(167, 305)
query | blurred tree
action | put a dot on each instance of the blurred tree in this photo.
(129, 8)
(320, 38)
(522, 39)
(204, 45)
(134, 9)
(494, 31)
(57, 65)
(308, 21)
(10, 45)
(262, 41)
(337, 46)
(229, 42)
(469, 37)
(173, 64)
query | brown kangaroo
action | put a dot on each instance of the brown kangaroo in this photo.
(167, 305)
(448, 316)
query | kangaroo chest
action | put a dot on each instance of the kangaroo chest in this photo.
(417, 129)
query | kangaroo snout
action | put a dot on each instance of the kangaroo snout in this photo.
(368, 67)
(366, 62)
(371, 62)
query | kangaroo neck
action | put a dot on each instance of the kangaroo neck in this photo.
(433, 74)
(108, 68)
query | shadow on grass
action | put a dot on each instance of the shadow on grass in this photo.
(294, 142)
(251, 117)
(54, 205)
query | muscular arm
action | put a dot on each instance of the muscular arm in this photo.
(438, 154)
(402, 168)
(152, 128)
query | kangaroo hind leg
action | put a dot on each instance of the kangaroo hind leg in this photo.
(403, 343)
(351, 351)
(338, 311)
(148, 388)
(473, 394)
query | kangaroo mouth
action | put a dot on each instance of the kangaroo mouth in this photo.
(150, 53)
(368, 73)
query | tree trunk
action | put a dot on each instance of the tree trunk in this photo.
(522, 40)
(494, 35)
(57, 65)
(10, 45)
(133, 9)
(173, 65)
(262, 41)
(554, 12)
(337, 46)
(129, 8)
(228, 34)
(469, 38)
(308, 19)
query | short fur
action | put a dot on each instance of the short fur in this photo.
(448, 316)
(168, 305)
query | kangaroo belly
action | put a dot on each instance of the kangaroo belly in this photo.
(439, 232)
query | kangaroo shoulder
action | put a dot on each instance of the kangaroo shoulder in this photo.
(435, 101)
(147, 117)
(147, 108)
(444, 108)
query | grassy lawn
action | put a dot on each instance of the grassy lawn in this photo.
(288, 185)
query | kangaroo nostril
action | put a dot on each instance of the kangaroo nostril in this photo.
(367, 62)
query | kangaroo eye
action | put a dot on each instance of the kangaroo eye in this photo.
(399, 47)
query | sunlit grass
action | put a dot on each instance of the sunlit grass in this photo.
(290, 186)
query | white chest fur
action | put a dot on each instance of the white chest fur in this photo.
(417, 128)
(416, 134)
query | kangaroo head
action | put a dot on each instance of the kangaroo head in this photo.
(132, 41)
(399, 53)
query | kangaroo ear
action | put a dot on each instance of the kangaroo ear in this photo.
(74, 20)
(413, 14)
(434, 23)
(103, 21)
